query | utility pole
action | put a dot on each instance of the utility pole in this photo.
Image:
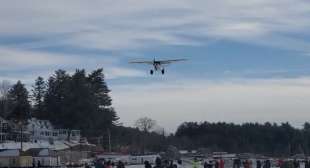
(109, 138)
(108, 130)
(21, 135)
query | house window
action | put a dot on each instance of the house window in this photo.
(5, 126)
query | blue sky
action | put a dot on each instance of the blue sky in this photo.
(247, 60)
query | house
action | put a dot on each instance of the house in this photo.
(4, 130)
(18, 131)
(140, 159)
(35, 130)
(223, 155)
(35, 156)
(43, 157)
(44, 130)
(13, 158)
(9, 130)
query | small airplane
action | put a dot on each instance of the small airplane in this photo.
(158, 64)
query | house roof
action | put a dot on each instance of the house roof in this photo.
(3, 120)
(36, 152)
(9, 152)
(42, 124)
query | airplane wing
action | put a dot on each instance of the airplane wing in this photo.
(170, 61)
(141, 62)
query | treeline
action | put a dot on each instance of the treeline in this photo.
(269, 139)
(137, 141)
(82, 101)
(77, 101)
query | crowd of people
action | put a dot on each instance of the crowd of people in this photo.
(158, 164)
(108, 164)
(238, 163)
(165, 164)
(213, 163)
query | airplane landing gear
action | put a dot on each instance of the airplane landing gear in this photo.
(151, 72)
(163, 71)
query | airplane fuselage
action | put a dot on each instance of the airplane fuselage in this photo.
(157, 65)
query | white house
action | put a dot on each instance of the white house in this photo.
(4, 130)
(44, 130)
(43, 157)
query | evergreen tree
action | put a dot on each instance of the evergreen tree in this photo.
(105, 112)
(56, 98)
(100, 88)
(18, 102)
(38, 93)
(80, 102)
(270, 139)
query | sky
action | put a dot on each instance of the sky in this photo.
(248, 60)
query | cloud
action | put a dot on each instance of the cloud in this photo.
(235, 100)
(117, 72)
(31, 32)
(118, 25)
(26, 65)
(15, 58)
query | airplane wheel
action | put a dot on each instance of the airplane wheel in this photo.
(163, 71)
(151, 72)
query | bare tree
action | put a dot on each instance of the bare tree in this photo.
(160, 130)
(4, 90)
(145, 124)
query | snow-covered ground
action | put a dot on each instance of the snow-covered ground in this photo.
(57, 145)
(184, 165)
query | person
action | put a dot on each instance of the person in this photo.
(87, 165)
(268, 164)
(157, 162)
(258, 164)
(235, 163)
(179, 164)
(170, 164)
(217, 164)
(99, 163)
(39, 163)
(166, 164)
(246, 164)
(120, 164)
(195, 163)
(280, 162)
(238, 163)
(221, 163)
(147, 164)
(33, 163)
(210, 164)
(296, 164)
(205, 164)
(307, 165)
(108, 164)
